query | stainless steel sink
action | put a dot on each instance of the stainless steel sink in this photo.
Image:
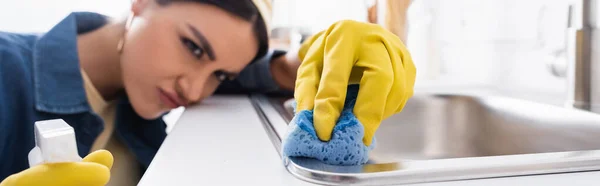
(443, 137)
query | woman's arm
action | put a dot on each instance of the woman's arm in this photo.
(273, 73)
(284, 70)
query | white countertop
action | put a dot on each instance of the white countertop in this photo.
(222, 142)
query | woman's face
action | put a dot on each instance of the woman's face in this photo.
(176, 55)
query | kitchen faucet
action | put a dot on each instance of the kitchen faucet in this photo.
(583, 47)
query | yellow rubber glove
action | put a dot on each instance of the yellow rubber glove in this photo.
(352, 52)
(94, 170)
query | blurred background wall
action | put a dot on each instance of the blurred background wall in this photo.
(504, 45)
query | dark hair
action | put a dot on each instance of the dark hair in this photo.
(244, 9)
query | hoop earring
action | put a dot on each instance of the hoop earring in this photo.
(122, 40)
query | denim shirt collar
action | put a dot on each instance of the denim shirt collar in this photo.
(58, 84)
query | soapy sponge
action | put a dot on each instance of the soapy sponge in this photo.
(345, 146)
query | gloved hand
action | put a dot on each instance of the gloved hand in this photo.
(351, 52)
(94, 170)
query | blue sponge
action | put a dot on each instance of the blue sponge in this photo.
(345, 146)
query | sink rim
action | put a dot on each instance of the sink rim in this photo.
(421, 171)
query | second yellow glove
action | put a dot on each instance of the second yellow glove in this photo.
(94, 170)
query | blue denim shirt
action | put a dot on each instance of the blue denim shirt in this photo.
(40, 80)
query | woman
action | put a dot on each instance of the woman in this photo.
(112, 80)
